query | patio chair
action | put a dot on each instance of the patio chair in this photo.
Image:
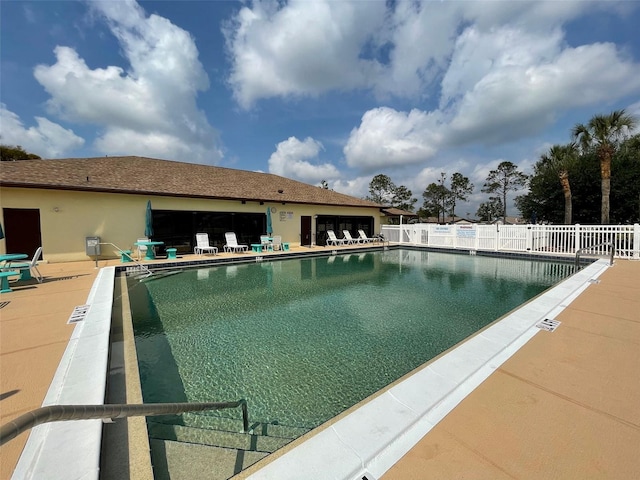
(349, 239)
(31, 266)
(142, 249)
(277, 242)
(333, 240)
(363, 237)
(232, 244)
(265, 241)
(202, 245)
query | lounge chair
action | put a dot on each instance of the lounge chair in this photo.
(277, 242)
(349, 239)
(142, 249)
(232, 244)
(265, 241)
(202, 245)
(29, 266)
(363, 237)
(333, 240)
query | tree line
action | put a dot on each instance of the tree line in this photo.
(440, 198)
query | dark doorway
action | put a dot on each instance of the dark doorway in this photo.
(305, 231)
(340, 223)
(22, 230)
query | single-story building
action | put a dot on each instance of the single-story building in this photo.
(395, 214)
(59, 203)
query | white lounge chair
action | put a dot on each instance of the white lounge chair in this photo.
(265, 241)
(202, 245)
(363, 237)
(277, 242)
(333, 240)
(142, 249)
(30, 266)
(349, 239)
(232, 244)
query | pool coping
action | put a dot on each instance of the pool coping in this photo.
(52, 449)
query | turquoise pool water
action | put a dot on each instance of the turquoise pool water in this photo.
(302, 340)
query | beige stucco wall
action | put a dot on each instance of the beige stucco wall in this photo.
(66, 217)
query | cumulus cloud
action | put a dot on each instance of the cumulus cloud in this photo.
(297, 48)
(507, 83)
(292, 159)
(387, 138)
(47, 139)
(153, 103)
(301, 48)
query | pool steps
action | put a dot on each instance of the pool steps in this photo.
(206, 436)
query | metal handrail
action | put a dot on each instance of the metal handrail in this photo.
(57, 413)
(124, 252)
(580, 250)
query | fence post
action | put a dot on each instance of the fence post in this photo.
(576, 238)
(529, 238)
(636, 241)
(497, 238)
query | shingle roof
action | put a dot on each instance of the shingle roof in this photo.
(140, 175)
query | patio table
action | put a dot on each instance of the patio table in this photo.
(150, 255)
(7, 258)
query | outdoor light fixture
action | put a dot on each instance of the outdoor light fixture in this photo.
(244, 202)
(261, 203)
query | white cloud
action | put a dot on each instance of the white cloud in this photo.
(301, 48)
(47, 139)
(387, 138)
(358, 187)
(152, 103)
(291, 159)
(507, 84)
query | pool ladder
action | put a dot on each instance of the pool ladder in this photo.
(142, 267)
(57, 413)
(581, 250)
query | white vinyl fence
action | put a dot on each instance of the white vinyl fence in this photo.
(590, 240)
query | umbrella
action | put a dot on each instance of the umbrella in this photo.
(148, 226)
(269, 226)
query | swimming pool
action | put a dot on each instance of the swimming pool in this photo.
(302, 340)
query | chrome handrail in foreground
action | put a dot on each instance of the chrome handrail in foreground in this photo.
(57, 413)
(124, 252)
(580, 250)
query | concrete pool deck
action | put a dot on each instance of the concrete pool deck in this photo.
(565, 405)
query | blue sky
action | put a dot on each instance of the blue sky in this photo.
(316, 90)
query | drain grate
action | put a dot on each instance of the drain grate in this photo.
(4, 304)
(594, 280)
(548, 324)
(79, 313)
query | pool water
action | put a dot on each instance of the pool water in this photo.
(302, 340)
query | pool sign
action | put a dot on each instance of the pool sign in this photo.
(466, 231)
(548, 324)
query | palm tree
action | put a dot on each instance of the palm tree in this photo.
(604, 133)
(559, 160)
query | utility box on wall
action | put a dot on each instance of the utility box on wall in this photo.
(92, 246)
